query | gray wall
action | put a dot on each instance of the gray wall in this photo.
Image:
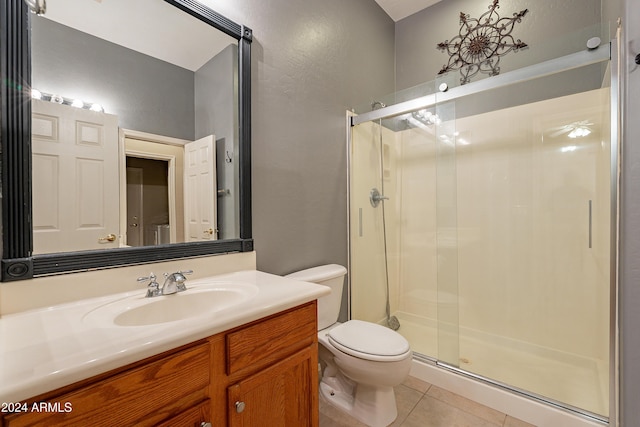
(551, 28)
(311, 61)
(216, 98)
(630, 227)
(145, 93)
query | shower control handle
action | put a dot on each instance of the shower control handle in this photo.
(375, 197)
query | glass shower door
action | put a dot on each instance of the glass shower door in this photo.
(533, 243)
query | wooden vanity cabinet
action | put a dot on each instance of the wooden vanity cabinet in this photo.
(260, 374)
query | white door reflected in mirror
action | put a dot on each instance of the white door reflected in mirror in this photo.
(200, 190)
(75, 198)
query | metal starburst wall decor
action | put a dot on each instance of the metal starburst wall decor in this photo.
(481, 42)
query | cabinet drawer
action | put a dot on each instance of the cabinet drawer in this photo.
(141, 396)
(255, 346)
(192, 417)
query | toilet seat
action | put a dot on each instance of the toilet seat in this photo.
(369, 341)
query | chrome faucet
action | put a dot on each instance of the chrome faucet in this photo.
(174, 282)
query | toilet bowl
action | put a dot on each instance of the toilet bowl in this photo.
(361, 361)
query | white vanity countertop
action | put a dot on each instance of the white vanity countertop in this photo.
(45, 349)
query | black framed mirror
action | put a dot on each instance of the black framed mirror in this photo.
(19, 261)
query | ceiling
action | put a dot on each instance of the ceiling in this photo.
(400, 9)
(148, 26)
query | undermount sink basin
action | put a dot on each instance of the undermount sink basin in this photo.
(198, 301)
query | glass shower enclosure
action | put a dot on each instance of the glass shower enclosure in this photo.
(494, 243)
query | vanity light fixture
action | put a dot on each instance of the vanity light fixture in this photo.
(58, 99)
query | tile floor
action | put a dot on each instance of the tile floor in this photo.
(421, 404)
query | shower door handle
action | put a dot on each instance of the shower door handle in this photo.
(590, 224)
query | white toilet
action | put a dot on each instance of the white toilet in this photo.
(361, 361)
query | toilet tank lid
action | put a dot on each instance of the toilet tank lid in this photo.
(316, 274)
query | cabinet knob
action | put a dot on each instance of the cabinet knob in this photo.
(205, 424)
(240, 407)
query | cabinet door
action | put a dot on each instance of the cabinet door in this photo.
(282, 395)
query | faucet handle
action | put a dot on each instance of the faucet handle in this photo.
(153, 288)
(151, 277)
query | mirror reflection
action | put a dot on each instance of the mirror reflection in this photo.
(134, 127)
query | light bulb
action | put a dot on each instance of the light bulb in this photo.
(96, 107)
(78, 103)
(56, 99)
(36, 94)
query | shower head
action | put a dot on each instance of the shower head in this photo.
(377, 104)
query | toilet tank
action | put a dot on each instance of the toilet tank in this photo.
(331, 275)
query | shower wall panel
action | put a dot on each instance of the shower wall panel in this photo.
(367, 258)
